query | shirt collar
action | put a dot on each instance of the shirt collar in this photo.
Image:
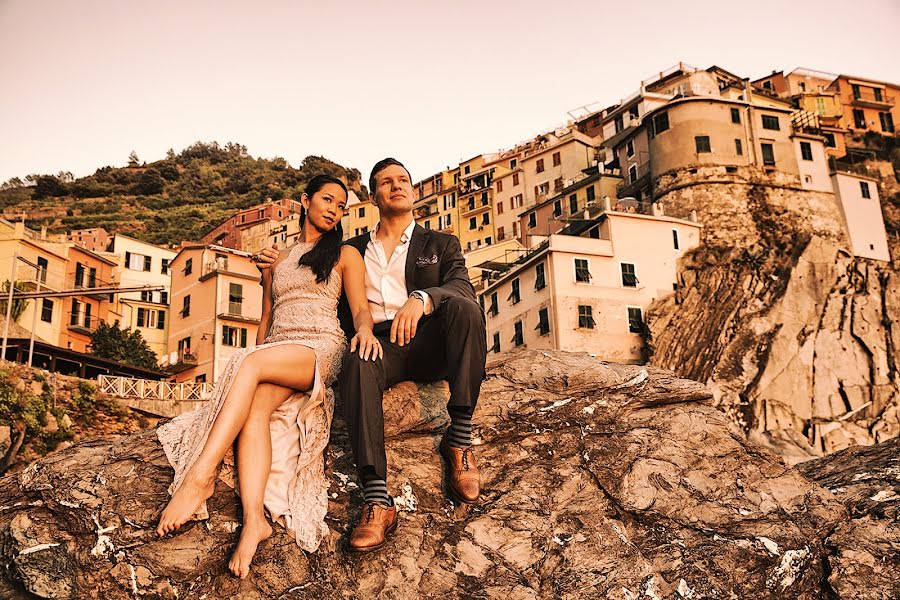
(404, 237)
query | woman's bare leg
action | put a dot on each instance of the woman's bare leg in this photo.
(288, 365)
(254, 462)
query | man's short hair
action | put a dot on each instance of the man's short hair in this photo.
(382, 165)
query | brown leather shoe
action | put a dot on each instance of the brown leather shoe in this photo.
(376, 522)
(465, 482)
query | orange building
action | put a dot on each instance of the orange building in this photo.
(82, 314)
(868, 105)
(95, 239)
(228, 233)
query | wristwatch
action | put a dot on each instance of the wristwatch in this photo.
(420, 296)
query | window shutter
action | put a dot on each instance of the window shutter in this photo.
(128, 260)
(225, 335)
(243, 338)
(140, 317)
(146, 263)
(161, 321)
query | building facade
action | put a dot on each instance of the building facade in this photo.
(83, 314)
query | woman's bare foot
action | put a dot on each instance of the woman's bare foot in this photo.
(254, 531)
(185, 502)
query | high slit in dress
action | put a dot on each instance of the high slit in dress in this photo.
(304, 312)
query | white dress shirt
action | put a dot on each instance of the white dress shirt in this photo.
(386, 277)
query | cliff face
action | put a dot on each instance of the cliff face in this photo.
(796, 338)
(600, 481)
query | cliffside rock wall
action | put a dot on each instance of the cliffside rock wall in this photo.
(600, 481)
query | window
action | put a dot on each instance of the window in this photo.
(486, 218)
(635, 320)
(629, 277)
(540, 280)
(620, 123)
(184, 345)
(186, 306)
(188, 266)
(428, 225)
(466, 170)
(513, 163)
(629, 148)
(557, 159)
(557, 184)
(859, 118)
(675, 239)
(856, 91)
(887, 122)
(494, 308)
(43, 265)
(484, 199)
(735, 115)
(829, 140)
(92, 277)
(582, 270)
(541, 190)
(499, 185)
(46, 310)
(557, 208)
(539, 168)
(820, 106)
(632, 174)
(878, 96)
(702, 143)
(660, 123)
(515, 179)
(79, 275)
(201, 378)
(87, 315)
(532, 220)
(768, 153)
(514, 296)
(473, 223)
(73, 317)
(806, 150)
(499, 208)
(501, 234)
(585, 317)
(573, 204)
(516, 201)
(738, 147)
(864, 188)
(165, 266)
(496, 347)
(591, 194)
(235, 298)
(234, 336)
(770, 122)
(518, 338)
(543, 325)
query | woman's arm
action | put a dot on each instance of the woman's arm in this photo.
(354, 276)
(265, 319)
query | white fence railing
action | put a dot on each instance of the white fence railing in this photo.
(145, 389)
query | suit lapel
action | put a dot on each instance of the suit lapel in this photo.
(416, 244)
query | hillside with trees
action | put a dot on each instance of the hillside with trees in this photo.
(167, 201)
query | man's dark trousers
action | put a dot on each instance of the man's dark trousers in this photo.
(450, 344)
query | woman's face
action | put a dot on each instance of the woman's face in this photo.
(325, 208)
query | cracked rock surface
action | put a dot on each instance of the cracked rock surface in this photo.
(599, 481)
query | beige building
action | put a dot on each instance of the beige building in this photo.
(587, 288)
(476, 204)
(510, 187)
(216, 306)
(553, 161)
(359, 218)
(488, 258)
(863, 219)
(142, 264)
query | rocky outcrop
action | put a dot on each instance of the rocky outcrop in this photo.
(802, 343)
(600, 481)
(864, 552)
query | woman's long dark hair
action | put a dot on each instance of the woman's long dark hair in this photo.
(325, 254)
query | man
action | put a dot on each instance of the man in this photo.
(430, 328)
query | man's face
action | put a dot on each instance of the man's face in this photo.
(393, 191)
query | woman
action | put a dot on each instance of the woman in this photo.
(274, 398)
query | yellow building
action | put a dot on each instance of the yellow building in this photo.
(476, 204)
(510, 183)
(359, 218)
(141, 264)
(216, 307)
(436, 205)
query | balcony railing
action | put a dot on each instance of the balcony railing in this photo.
(236, 311)
(181, 361)
(870, 98)
(633, 180)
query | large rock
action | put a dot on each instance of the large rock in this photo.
(600, 481)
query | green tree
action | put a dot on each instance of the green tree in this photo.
(48, 185)
(122, 345)
(133, 159)
(18, 305)
(151, 182)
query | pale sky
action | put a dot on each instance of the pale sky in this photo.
(431, 83)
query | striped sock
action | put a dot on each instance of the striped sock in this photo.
(375, 490)
(459, 434)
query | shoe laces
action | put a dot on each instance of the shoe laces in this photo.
(465, 458)
(370, 511)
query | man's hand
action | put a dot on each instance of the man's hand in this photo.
(403, 330)
(265, 258)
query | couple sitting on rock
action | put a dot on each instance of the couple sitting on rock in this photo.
(402, 296)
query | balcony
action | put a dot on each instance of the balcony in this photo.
(234, 311)
(82, 323)
(183, 360)
(634, 181)
(475, 208)
(870, 99)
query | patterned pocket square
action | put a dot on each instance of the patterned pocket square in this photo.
(424, 261)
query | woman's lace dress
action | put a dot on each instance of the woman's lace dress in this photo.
(304, 312)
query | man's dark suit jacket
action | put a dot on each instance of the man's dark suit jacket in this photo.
(434, 265)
